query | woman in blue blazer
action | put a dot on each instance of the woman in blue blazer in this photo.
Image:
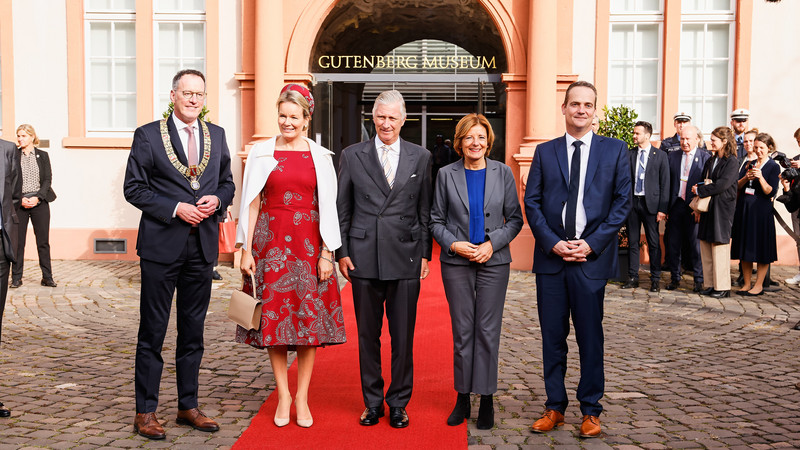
(475, 215)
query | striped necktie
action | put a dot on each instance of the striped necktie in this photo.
(387, 166)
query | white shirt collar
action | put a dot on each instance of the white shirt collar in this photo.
(393, 148)
(179, 124)
(586, 139)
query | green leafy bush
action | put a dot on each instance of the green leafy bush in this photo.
(618, 123)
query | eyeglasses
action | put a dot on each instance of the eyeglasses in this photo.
(187, 95)
(468, 139)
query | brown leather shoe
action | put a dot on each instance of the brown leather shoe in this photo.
(550, 419)
(146, 424)
(590, 427)
(196, 419)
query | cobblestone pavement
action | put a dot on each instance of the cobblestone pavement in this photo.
(682, 371)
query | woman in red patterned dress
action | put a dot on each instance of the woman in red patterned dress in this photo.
(288, 230)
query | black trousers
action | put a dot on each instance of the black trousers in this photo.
(39, 216)
(640, 216)
(683, 248)
(190, 274)
(5, 266)
(400, 298)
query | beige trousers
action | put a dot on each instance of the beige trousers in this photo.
(716, 265)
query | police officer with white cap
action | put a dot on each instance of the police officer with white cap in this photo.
(740, 120)
(673, 143)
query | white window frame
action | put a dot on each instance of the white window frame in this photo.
(112, 17)
(179, 18)
(723, 17)
(637, 18)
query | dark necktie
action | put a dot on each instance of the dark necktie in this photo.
(574, 186)
(640, 173)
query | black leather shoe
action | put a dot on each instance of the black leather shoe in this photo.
(654, 286)
(4, 412)
(460, 411)
(216, 276)
(698, 287)
(398, 418)
(631, 283)
(797, 327)
(49, 282)
(16, 283)
(370, 416)
(707, 291)
(721, 294)
(673, 285)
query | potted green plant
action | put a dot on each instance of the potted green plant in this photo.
(618, 123)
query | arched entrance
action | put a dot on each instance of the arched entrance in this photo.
(446, 59)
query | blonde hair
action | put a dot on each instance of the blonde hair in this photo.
(292, 96)
(29, 129)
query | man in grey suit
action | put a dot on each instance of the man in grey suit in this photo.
(650, 174)
(10, 197)
(384, 205)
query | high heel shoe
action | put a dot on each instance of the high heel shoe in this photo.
(304, 423)
(460, 411)
(281, 421)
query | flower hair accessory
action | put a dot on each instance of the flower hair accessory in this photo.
(302, 90)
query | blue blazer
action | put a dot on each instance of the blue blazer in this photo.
(154, 186)
(606, 199)
(695, 174)
(450, 212)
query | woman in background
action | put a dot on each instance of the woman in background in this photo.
(755, 240)
(34, 168)
(714, 229)
(288, 230)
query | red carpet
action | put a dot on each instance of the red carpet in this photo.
(335, 393)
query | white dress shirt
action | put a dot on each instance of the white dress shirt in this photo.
(580, 211)
(394, 153)
(644, 166)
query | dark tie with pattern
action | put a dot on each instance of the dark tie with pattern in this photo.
(574, 186)
(640, 173)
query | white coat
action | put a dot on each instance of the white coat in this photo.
(260, 163)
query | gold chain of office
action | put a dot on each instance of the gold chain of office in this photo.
(191, 173)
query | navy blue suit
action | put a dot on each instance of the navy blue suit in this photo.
(576, 288)
(681, 236)
(173, 254)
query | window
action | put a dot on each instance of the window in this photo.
(110, 41)
(706, 71)
(634, 77)
(179, 43)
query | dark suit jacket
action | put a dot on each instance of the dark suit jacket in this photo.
(607, 190)
(10, 196)
(656, 179)
(715, 224)
(695, 174)
(154, 186)
(450, 213)
(384, 231)
(45, 192)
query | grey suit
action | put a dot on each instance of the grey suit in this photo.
(475, 292)
(10, 198)
(385, 234)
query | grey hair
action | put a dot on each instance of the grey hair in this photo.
(390, 98)
(696, 130)
(177, 78)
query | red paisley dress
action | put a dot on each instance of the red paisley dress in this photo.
(297, 309)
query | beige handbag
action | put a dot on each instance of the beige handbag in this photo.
(244, 309)
(700, 204)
